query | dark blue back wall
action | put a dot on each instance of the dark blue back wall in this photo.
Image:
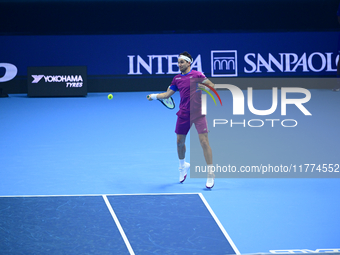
(149, 62)
(140, 17)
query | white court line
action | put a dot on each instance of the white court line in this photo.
(219, 224)
(141, 194)
(126, 241)
(100, 195)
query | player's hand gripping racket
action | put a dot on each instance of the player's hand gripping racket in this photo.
(168, 103)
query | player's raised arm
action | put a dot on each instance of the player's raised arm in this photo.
(206, 82)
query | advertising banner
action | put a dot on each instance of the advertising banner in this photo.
(56, 81)
(149, 62)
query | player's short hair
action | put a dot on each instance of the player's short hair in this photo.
(185, 53)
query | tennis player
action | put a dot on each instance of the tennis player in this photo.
(187, 83)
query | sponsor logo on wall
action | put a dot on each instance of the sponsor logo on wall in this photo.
(229, 63)
(57, 81)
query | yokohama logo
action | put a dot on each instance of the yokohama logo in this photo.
(57, 78)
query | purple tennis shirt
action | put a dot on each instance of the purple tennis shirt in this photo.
(187, 85)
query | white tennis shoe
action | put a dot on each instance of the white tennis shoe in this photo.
(210, 181)
(183, 172)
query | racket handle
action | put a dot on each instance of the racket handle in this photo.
(147, 96)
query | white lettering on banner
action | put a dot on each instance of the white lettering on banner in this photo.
(148, 67)
(59, 78)
(138, 64)
(197, 64)
(302, 62)
(172, 63)
(290, 62)
(10, 72)
(268, 66)
(74, 84)
(72, 81)
(310, 62)
(224, 63)
(329, 62)
(159, 63)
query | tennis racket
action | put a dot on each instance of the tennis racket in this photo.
(168, 103)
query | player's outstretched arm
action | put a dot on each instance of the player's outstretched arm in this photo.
(164, 95)
(206, 82)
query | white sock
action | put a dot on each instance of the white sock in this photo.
(210, 169)
(181, 162)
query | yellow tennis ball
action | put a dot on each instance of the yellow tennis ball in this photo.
(110, 96)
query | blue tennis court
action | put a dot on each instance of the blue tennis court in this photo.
(65, 161)
(123, 224)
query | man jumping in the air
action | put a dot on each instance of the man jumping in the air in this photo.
(187, 83)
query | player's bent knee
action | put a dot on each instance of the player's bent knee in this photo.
(204, 141)
(180, 143)
(205, 144)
